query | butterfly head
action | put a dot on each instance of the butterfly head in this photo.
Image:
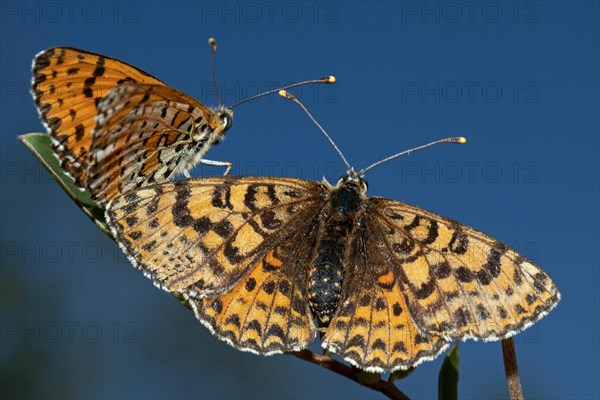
(224, 118)
(354, 180)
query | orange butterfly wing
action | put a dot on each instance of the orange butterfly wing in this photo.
(67, 86)
(458, 282)
(146, 134)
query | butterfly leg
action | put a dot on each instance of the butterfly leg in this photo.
(218, 164)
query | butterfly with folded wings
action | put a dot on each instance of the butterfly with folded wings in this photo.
(115, 128)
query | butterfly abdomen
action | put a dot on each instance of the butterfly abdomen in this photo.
(326, 277)
(327, 267)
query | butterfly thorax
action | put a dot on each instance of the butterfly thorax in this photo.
(340, 215)
(206, 131)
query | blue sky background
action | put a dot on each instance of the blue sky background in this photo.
(519, 80)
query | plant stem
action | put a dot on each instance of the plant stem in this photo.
(385, 387)
(511, 370)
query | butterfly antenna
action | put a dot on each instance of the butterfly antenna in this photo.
(459, 140)
(325, 79)
(213, 46)
(291, 97)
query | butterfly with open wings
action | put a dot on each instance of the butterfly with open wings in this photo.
(390, 284)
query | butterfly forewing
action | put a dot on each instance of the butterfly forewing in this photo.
(457, 281)
(146, 134)
(209, 232)
(67, 86)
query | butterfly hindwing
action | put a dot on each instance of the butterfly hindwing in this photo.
(67, 85)
(457, 281)
(145, 134)
(373, 328)
(267, 311)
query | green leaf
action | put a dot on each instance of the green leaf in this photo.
(182, 299)
(448, 378)
(40, 145)
(401, 374)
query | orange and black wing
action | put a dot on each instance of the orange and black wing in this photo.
(372, 328)
(238, 247)
(267, 311)
(144, 135)
(67, 86)
(457, 282)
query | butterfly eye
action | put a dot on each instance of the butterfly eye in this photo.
(226, 121)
